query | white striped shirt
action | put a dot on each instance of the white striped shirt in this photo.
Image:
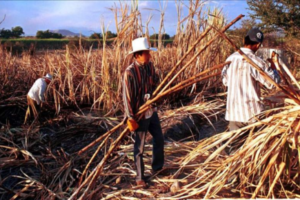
(242, 80)
(38, 90)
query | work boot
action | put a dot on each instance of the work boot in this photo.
(147, 178)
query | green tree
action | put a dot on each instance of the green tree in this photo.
(14, 32)
(57, 35)
(96, 36)
(164, 36)
(238, 34)
(5, 33)
(47, 34)
(39, 34)
(110, 34)
(17, 31)
(277, 14)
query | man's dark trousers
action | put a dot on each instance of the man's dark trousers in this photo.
(153, 125)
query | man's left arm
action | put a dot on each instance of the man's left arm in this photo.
(224, 73)
(42, 91)
(272, 73)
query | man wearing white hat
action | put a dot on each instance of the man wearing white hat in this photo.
(139, 82)
(36, 95)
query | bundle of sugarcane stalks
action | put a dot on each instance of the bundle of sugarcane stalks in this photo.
(266, 165)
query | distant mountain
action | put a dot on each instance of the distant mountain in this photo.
(65, 33)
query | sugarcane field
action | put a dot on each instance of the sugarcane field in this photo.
(81, 135)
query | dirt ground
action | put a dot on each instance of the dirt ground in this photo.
(68, 134)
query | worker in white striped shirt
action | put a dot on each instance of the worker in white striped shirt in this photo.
(36, 96)
(243, 82)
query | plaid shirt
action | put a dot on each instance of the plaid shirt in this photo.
(138, 80)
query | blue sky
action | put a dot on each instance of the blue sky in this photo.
(86, 16)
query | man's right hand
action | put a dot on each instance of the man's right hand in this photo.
(275, 57)
(274, 60)
(132, 124)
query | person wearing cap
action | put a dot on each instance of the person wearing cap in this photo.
(36, 95)
(139, 82)
(243, 82)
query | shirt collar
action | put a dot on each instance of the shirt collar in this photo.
(140, 64)
(246, 50)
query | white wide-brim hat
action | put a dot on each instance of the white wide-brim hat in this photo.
(141, 44)
(48, 76)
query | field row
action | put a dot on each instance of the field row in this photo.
(21, 44)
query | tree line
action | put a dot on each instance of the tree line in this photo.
(109, 34)
(17, 31)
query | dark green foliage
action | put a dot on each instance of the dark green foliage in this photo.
(25, 44)
(110, 34)
(15, 32)
(96, 36)
(238, 34)
(5, 33)
(47, 34)
(164, 36)
(277, 14)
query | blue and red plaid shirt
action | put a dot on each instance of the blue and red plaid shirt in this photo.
(138, 80)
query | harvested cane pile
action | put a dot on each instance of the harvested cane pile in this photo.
(265, 166)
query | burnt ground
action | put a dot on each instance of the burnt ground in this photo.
(54, 135)
(192, 127)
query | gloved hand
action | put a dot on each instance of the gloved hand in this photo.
(132, 124)
(275, 57)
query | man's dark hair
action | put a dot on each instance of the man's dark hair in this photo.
(247, 41)
(137, 53)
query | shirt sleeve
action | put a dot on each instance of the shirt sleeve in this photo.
(277, 78)
(128, 87)
(273, 74)
(42, 92)
(224, 74)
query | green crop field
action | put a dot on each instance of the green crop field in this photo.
(20, 45)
